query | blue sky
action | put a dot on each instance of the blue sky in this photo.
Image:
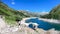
(32, 5)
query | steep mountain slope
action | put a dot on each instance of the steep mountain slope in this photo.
(54, 13)
(10, 14)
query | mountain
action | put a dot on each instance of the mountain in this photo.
(11, 15)
(54, 13)
(31, 14)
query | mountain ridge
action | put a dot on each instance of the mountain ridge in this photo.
(54, 13)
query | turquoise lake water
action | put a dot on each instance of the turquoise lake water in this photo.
(42, 24)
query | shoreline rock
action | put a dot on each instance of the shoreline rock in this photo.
(50, 20)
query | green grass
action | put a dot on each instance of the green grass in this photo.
(10, 14)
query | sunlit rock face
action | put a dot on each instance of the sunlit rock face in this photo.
(2, 23)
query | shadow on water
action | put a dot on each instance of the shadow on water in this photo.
(42, 24)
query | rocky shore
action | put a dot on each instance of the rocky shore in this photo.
(50, 20)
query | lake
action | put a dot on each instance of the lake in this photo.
(42, 24)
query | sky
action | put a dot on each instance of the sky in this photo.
(32, 5)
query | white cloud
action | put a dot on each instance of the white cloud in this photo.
(44, 13)
(12, 3)
(27, 10)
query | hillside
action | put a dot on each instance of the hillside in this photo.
(31, 14)
(11, 15)
(54, 13)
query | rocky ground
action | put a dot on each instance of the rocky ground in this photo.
(22, 29)
(17, 30)
(7, 29)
